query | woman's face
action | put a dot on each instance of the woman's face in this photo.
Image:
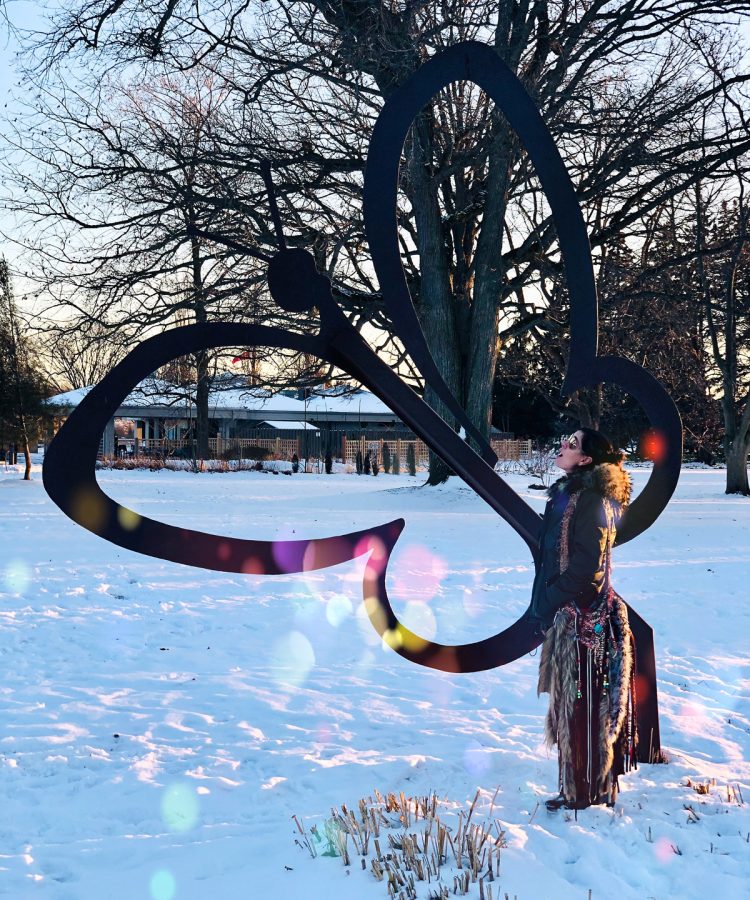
(571, 456)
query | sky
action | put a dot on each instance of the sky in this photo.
(22, 14)
(26, 14)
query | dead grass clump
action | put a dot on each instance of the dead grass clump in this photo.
(734, 791)
(406, 843)
(699, 787)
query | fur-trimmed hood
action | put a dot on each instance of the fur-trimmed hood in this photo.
(607, 479)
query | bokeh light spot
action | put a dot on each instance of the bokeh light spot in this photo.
(418, 617)
(89, 509)
(162, 885)
(338, 608)
(392, 639)
(642, 688)
(17, 576)
(377, 550)
(370, 634)
(411, 641)
(224, 551)
(417, 574)
(654, 446)
(476, 759)
(252, 566)
(128, 519)
(293, 657)
(179, 807)
(663, 850)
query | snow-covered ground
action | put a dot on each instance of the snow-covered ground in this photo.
(160, 725)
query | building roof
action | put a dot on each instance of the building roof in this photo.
(152, 397)
(291, 426)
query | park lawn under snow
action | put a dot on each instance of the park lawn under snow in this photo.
(162, 724)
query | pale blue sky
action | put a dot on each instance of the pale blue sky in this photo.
(28, 14)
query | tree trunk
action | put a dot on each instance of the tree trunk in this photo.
(201, 405)
(201, 358)
(26, 455)
(737, 447)
(436, 312)
(481, 342)
(737, 482)
(439, 469)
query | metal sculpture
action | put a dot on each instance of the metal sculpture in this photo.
(296, 285)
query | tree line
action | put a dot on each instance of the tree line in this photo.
(23, 385)
(137, 170)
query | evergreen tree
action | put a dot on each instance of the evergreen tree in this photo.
(396, 464)
(386, 458)
(22, 385)
(367, 463)
(328, 462)
(295, 463)
(358, 462)
(411, 459)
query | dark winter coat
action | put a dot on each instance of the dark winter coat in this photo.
(579, 524)
(586, 664)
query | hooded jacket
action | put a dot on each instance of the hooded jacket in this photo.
(575, 539)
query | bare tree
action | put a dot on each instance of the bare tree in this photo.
(631, 100)
(114, 190)
(725, 281)
(77, 357)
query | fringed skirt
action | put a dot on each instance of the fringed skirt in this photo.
(587, 668)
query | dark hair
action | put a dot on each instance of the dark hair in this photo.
(599, 447)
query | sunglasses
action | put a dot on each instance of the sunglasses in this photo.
(572, 441)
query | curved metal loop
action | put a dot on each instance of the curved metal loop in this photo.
(70, 480)
(472, 61)
(70, 467)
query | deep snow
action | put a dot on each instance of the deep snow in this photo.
(161, 724)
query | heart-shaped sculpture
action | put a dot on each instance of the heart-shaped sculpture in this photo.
(69, 468)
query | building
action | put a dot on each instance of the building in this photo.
(159, 418)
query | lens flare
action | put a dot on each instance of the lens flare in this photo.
(377, 550)
(419, 618)
(417, 574)
(369, 634)
(16, 577)
(127, 518)
(338, 608)
(293, 657)
(162, 885)
(663, 850)
(694, 719)
(179, 807)
(476, 759)
(654, 446)
(89, 508)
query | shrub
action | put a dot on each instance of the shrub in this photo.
(386, 458)
(359, 462)
(367, 463)
(411, 460)
(328, 462)
(396, 464)
(252, 452)
(295, 463)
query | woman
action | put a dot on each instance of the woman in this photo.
(586, 664)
